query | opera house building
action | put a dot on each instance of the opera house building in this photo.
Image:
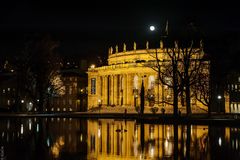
(119, 83)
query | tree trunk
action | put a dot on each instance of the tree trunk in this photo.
(175, 102)
(188, 102)
(175, 91)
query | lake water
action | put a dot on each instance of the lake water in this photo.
(77, 139)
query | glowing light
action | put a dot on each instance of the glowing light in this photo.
(22, 101)
(92, 66)
(37, 127)
(220, 141)
(219, 97)
(21, 129)
(48, 142)
(151, 151)
(166, 143)
(30, 126)
(152, 28)
(81, 138)
(99, 132)
(57, 146)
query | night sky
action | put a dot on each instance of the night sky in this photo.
(88, 28)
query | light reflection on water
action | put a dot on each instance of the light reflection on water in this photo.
(66, 138)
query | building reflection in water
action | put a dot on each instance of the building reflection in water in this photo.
(116, 139)
(66, 138)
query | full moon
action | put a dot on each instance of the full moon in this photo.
(152, 28)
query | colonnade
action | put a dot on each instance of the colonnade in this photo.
(120, 90)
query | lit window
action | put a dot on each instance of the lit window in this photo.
(8, 102)
(93, 86)
(135, 82)
(151, 82)
(9, 89)
(4, 91)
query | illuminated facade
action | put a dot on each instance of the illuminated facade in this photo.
(119, 82)
(232, 93)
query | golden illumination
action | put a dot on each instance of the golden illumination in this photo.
(92, 66)
(119, 82)
(57, 146)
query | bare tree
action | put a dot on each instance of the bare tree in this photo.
(202, 88)
(37, 68)
(180, 68)
(167, 69)
(190, 67)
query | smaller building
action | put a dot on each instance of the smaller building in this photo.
(232, 93)
(7, 91)
(74, 97)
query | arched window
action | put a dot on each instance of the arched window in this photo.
(151, 82)
(135, 82)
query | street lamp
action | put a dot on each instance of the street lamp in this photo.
(219, 97)
(99, 104)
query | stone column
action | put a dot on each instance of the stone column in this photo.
(124, 89)
(112, 90)
(120, 89)
(129, 89)
(115, 81)
(98, 87)
(103, 90)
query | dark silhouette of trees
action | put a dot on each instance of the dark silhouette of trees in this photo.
(167, 67)
(37, 69)
(181, 68)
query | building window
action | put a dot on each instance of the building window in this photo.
(151, 82)
(8, 102)
(4, 91)
(135, 82)
(93, 86)
(9, 89)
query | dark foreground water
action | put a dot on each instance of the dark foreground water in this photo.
(77, 139)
